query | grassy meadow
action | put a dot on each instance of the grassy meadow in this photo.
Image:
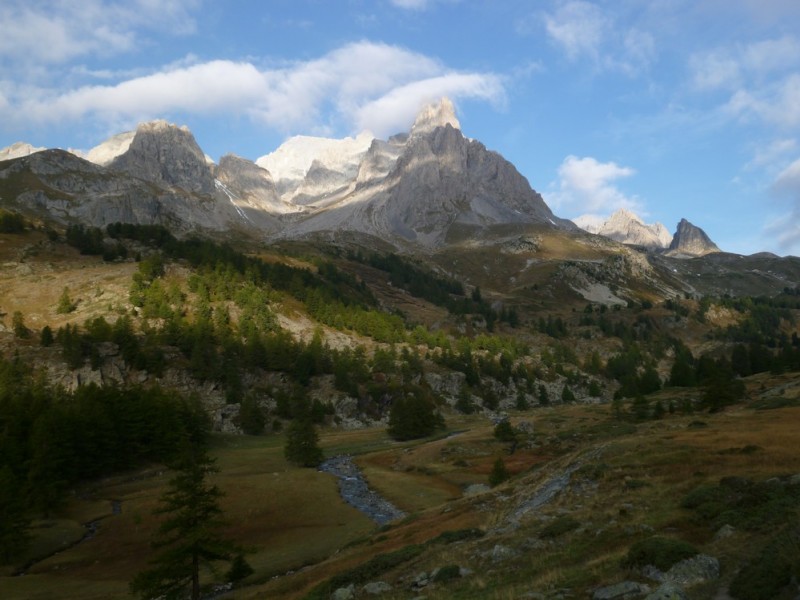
(631, 483)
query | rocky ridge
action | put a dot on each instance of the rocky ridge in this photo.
(691, 241)
(423, 190)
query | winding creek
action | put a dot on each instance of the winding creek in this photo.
(354, 490)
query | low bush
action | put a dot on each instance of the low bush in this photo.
(559, 527)
(447, 573)
(658, 551)
(766, 576)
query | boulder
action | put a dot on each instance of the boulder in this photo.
(376, 588)
(668, 591)
(621, 591)
(692, 571)
(345, 593)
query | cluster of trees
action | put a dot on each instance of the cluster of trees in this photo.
(436, 289)
(11, 222)
(52, 439)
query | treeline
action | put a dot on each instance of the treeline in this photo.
(52, 439)
(441, 291)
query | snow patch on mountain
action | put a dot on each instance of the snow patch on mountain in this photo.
(18, 150)
(293, 159)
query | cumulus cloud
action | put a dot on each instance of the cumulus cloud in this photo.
(585, 31)
(586, 185)
(361, 85)
(55, 32)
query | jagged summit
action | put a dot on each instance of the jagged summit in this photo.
(166, 154)
(18, 150)
(627, 227)
(690, 240)
(437, 114)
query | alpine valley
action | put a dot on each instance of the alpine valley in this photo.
(540, 408)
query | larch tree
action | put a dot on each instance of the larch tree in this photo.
(189, 537)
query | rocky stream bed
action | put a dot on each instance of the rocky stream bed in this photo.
(355, 491)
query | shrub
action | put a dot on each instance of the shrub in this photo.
(559, 527)
(777, 564)
(499, 473)
(447, 573)
(458, 535)
(660, 552)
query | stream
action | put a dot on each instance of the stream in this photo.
(354, 490)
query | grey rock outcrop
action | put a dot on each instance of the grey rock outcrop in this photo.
(690, 241)
(167, 155)
(70, 189)
(668, 591)
(626, 590)
(429, 188)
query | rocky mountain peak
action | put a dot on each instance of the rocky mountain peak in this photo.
(627, 227)
(18, 150)
(690, 240)
(437, 114)
(167, 154)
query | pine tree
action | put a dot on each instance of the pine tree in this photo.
(189, 536)
(302, 446)
(499, 473)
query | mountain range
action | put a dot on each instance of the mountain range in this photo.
(423, 189)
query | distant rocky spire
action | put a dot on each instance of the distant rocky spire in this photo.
(435, 115)
(690, 240)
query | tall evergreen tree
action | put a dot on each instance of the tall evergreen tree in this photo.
(189, 537)
(302, 442)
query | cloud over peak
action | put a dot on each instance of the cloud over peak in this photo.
(361, 85)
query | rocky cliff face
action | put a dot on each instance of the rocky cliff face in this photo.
(628, 228)
(690, 240)
(420, 188)
(68, 189)
(167, 155)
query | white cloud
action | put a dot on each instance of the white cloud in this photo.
(410, 4)
(579, 28)
(786, 229)
(55, 32)
(714, 71)
(775, 151)
(395, 111)
(586, 185)
(585, 31)
(778, 103)
(733, 67)
(361, 85)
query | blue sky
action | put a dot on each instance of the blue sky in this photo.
(672, 108)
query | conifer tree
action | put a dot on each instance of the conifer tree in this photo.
(65, 303)
(499, 473)
(189, 537)
(302, 446)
